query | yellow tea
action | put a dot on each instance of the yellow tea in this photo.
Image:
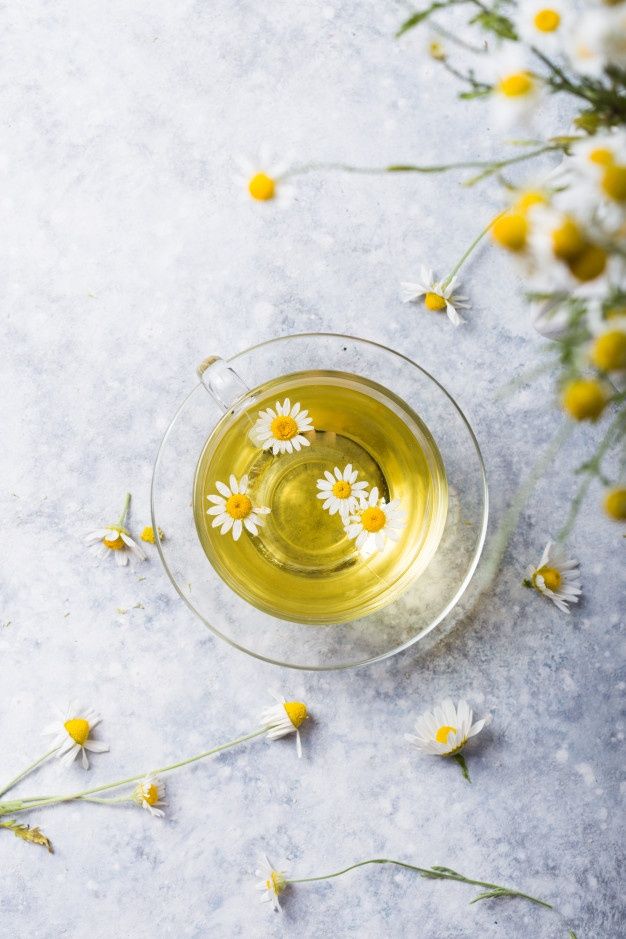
(320, 497)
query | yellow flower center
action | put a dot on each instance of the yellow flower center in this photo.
(238, 505)
(436, 50)
(342, 489)
(567, 240)
(148, 534)
(373, 519)
(262, 187)
(151, 794)
(530, 198)
(276, 882)
(614, 182)
(510, 231)
(115, 544)
(584, 399)
(602, 156)
(516, 85)
(547, 21)
(442, 734)
(78, 729)
(551, 577)
(434, 301)
(296, 712)
(609, 351)
(284, 428)
(615, 504)
(588, 264)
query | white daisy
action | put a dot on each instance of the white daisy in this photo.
(374, 522)
(556, 577)
(282, 430)
(438, 295)
(115, 538)
(341, 492)
(541, 23)
(445, 730)
(516, 90)
(233, 508)
(284, 717)
(272, 882)
(72, 735)
(150, 794)
(262, 178)
(564, 252)
(597, 39)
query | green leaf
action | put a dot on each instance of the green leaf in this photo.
(420, 15)
(496, 23)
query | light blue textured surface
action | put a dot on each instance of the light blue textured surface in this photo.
(129, 255)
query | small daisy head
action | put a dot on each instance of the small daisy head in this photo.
(374, 521)
(148, 534)
(608, 349)
(72, 735)
(284, 717)
(271, 883)
(150, 794)
(234, 510)
(516, 90)
(615, 503)
(437, 296)
(445, 730)
(556, 577)
(281, 429)
(341, 493)
(262, 179)
(116, 540)
(541, 23)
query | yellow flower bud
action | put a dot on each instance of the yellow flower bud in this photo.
(608, 352)
(584, 399)
(510, 231)
(615, 504)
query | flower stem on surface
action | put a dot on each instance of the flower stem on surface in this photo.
(492, 891)
(41, 802)
(459, 264)
(25, 772)
(460, 759)
(122, 520)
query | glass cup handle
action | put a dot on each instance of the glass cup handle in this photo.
(221, 381)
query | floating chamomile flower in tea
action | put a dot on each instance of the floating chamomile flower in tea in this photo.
(233, 508)
(341, 492)
(282, 429)
(72, 735)
(374, 521)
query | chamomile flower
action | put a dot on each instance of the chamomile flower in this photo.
(148, 534)
(516, 90)
(541, 23)
(438, 295)
(598, 39)
(374, 521)
(341, 492)
(262, 178)
(282, 429)
(565, 253)
(284, 717)
(445, 730)
(608, 348)
(150, 794)
(72, 735)
(234, 510)
(556, 577)
(115, 538)
(272, 882)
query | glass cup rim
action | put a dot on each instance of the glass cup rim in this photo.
(471, 566)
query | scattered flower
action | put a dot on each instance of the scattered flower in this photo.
(233, 508)
(272, 882)
(556, 577)
(263, 178)
(282, 430)
(615, 504)
(150, 794)
(72, 735)
(445, 730)
(116, 538)
(541, 23)
(374, 522)
(438, 295)
(341, 492)
(149, 536)
(284, 717)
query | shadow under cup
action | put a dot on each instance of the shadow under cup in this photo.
(418, 599)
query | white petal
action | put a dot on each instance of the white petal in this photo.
(237, 529)
(223, 489)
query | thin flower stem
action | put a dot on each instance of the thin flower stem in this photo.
(54, 800)
(122, 520)
(432, 873)
(460, 759)
(117, 800)
(25, 772)
(459, 264)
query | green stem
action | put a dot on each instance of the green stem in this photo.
(460, 759)
(433, 873)
(54, 800)
(26, 771)
(122, 520)
(459, 264)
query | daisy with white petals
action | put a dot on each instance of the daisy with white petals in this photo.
(556, 577)
(262, 179)
(283, 718)
(541, 23)
(233, 508)
(445, 730)
(438, 295)
(72, 735)
(282, 429)
(116, 538)
(272, 882)
(516, 90)
(374, 521)
(341, 492)
(150, 794)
